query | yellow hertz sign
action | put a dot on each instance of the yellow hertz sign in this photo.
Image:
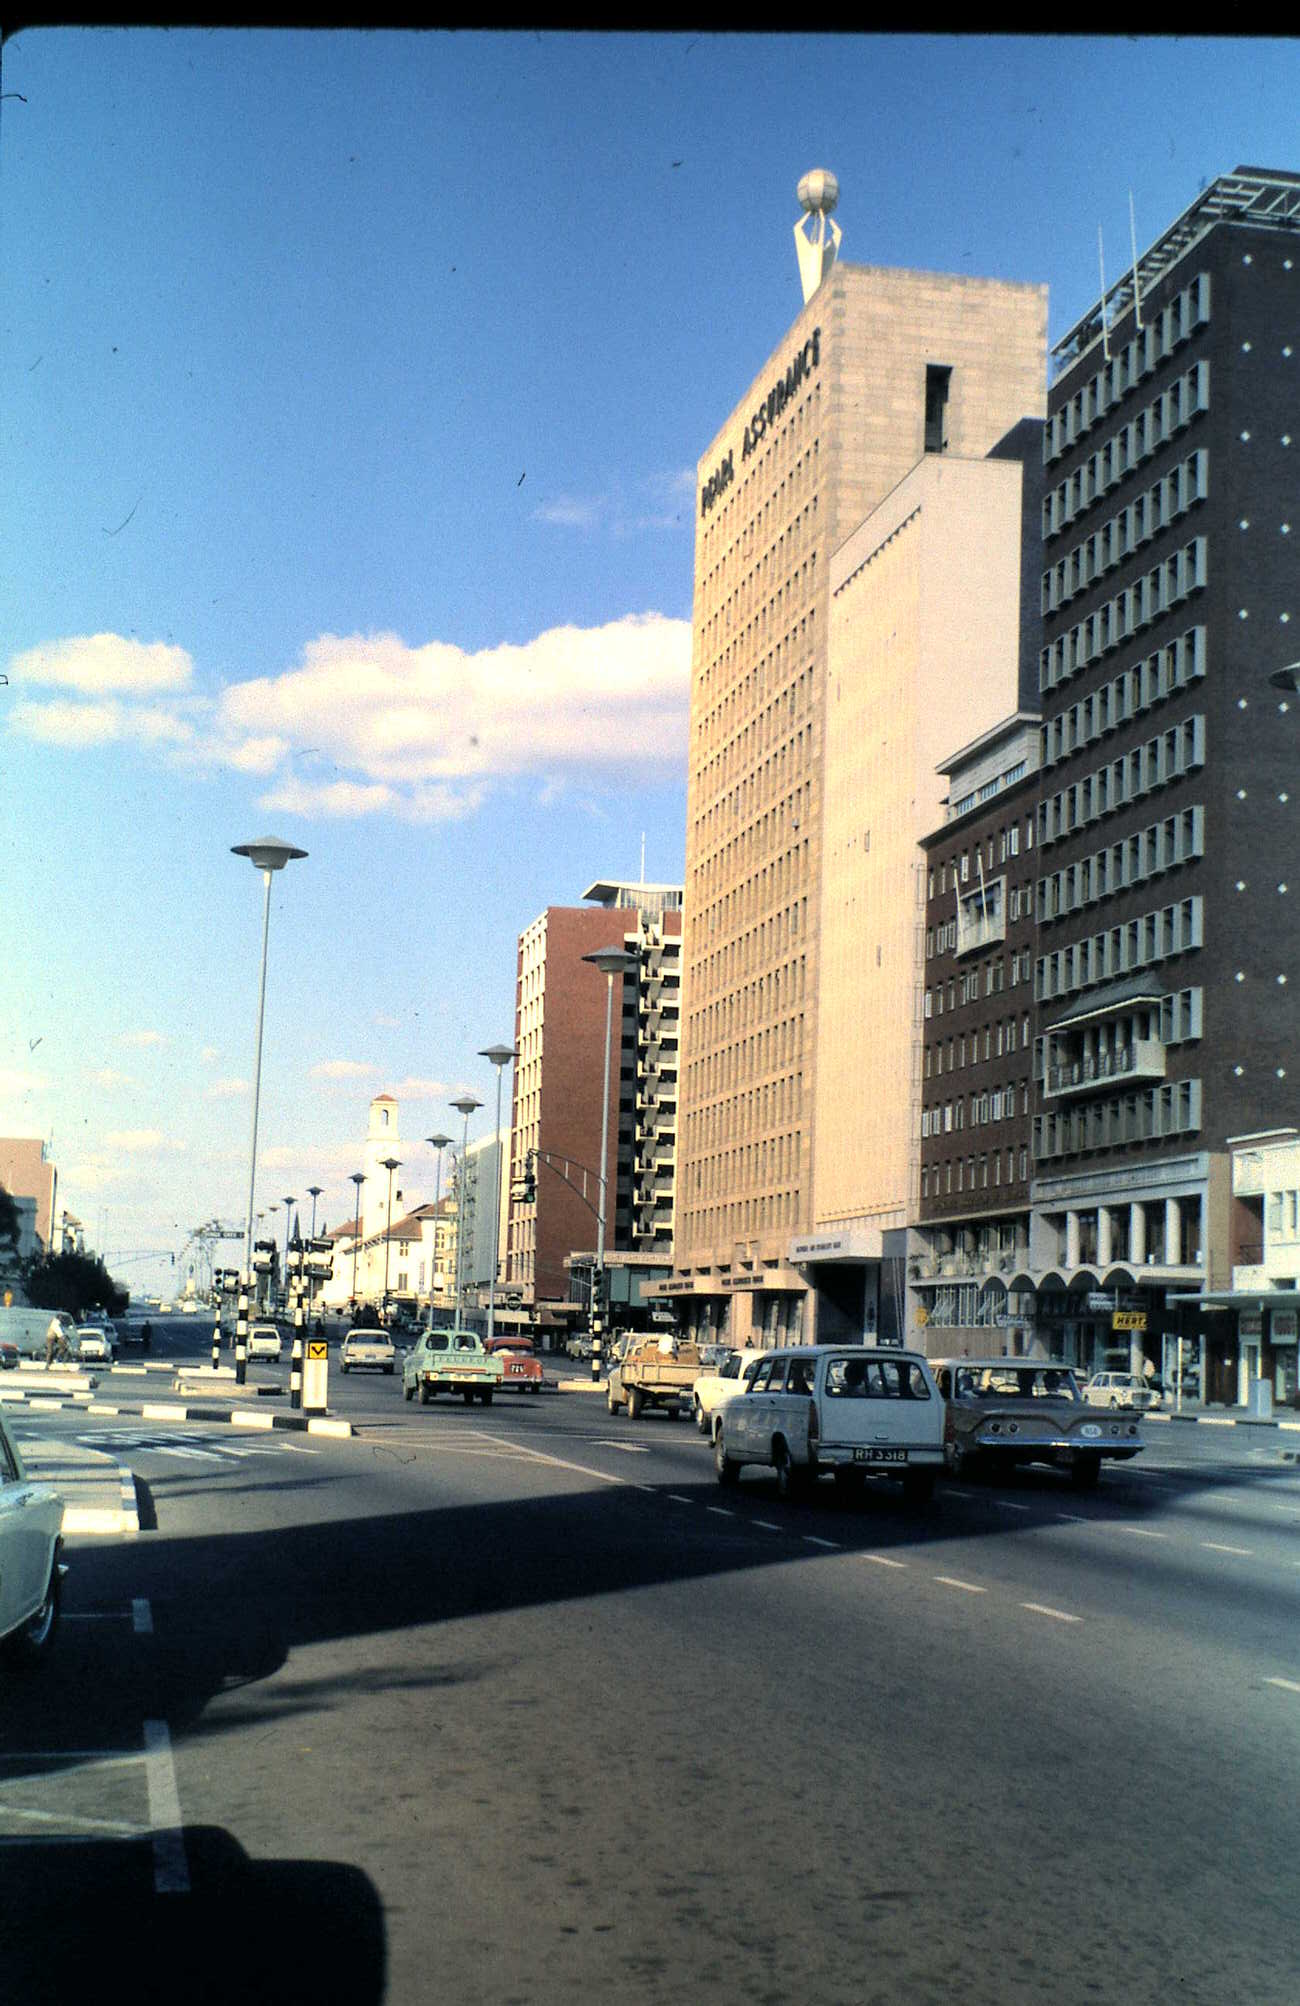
(1129, 1319)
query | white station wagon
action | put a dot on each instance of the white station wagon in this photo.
(31, 1573)
(854, 1410)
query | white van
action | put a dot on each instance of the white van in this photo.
(27, 1327)
(852, 1409)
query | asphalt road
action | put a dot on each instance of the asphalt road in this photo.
(517, 1705)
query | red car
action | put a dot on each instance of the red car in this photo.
(521, 1368)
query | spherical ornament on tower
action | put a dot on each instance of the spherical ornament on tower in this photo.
(819, 191)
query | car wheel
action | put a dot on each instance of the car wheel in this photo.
(408, 1392)
(610, 1401)
(343, 1368)
(918, 1486)
(1114, 1400)
(468, 1396)
(635, 1402)
(790, 1479)
(30, 1644)
(701, 1419)
(486, 1396)
(728, 1470)
(426, 1394)
(1084, 1472)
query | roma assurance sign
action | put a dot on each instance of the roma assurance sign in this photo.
(782, 392)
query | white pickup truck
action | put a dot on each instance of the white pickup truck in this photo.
(854, 1410)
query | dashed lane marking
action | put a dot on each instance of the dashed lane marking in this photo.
(1216, 1546)
(171, 1873)
(811, 1539)
(767, 1525)
(141, 1617)
(883, 1560)
(1008, 1504)
(1141, 1532)
(1044, 1609)
(720, 1511)
(1287, 1685)
(951, 1581)
(675, 1497)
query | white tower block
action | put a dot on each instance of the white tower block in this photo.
(816, 237)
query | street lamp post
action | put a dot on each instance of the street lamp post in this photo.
(390, 1164)
(464, 1105)
(500, 1056)
(313, 1192)
(358, 1178)
(611, 961)
(438, 1142)
(290, 1201)
(268, 855)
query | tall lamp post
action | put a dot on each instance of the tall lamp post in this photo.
(464, 1105)
(500, 1056)
(438, 1142)
(358, 1178)
(611, 961)
(268, 855)
(390, 1164)
(290, 1201)
(313, 1192)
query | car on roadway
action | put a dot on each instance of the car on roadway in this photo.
(720, 1383)
(264, 1341)
(851, 1410)
(1001, 1413)
(521, 1368)
(9, 1355)
(31, 1573)
(451, 1361)
(369, 1350)
(95, 1342)
(1121, 1389)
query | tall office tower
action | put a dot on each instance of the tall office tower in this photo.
(1168, 977)
(559, 1084)
(857, 589)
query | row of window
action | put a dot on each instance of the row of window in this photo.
(1159, 847)
(974, 982)
(1117, 620)
(1174, 754)
(997, 1039)
(740, 513)
(938, 1179)
(997, 1104)
(957, 870)
(1172, 667)
(988, 788)
(1121, 950)
(1171, 497)
(1127, 449)
(1150, 346)
(1172, 1109)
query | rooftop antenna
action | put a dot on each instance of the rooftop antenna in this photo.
(1101, 266)
(816, 237)
(1133, 239)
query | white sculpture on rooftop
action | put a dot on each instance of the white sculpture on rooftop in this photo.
(816, 236)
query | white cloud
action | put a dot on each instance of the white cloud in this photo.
(226, 1090)
(341, 1069)
(12, 1082)
(100, 664)
(108, 1078)
(571, 511)
(388, 1023)
(377, 727)
(142, 1038)
(141, 1141)
(415, 1089)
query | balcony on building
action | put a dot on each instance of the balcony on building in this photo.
(1112, 1039)
(981, 915)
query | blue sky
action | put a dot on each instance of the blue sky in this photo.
(353, 386)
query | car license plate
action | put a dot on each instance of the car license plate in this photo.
(880, 1455)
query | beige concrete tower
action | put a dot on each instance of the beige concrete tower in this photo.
(881, 370)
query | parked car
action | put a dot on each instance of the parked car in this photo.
(1002, 1412)
(1121, 1389)
(9, 1355)
(720, 1383)
(31, 1574)
(264, 1341)
(850, 1409)
(93, 1342)
(371, 1349)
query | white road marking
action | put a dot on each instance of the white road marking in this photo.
(141, 1617)
(1287, 1685)
(1042, 1609)
(811, 1539)
(674, 1497)
(1141, 1532)
(555, 1462)
(298, 1449)
(1006, 1504)
(954, 1493)
(1215, 1546)
(628, 1448)
(1215, 1421)
(118, 1826)
(720, 1511)
(171, 1873)
(882, 1560)
(767, 1525)
(1073, 1518)
(951, 1581)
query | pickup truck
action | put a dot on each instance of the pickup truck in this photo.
(853, 1410)
(450, 1361)
(654, 1372)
